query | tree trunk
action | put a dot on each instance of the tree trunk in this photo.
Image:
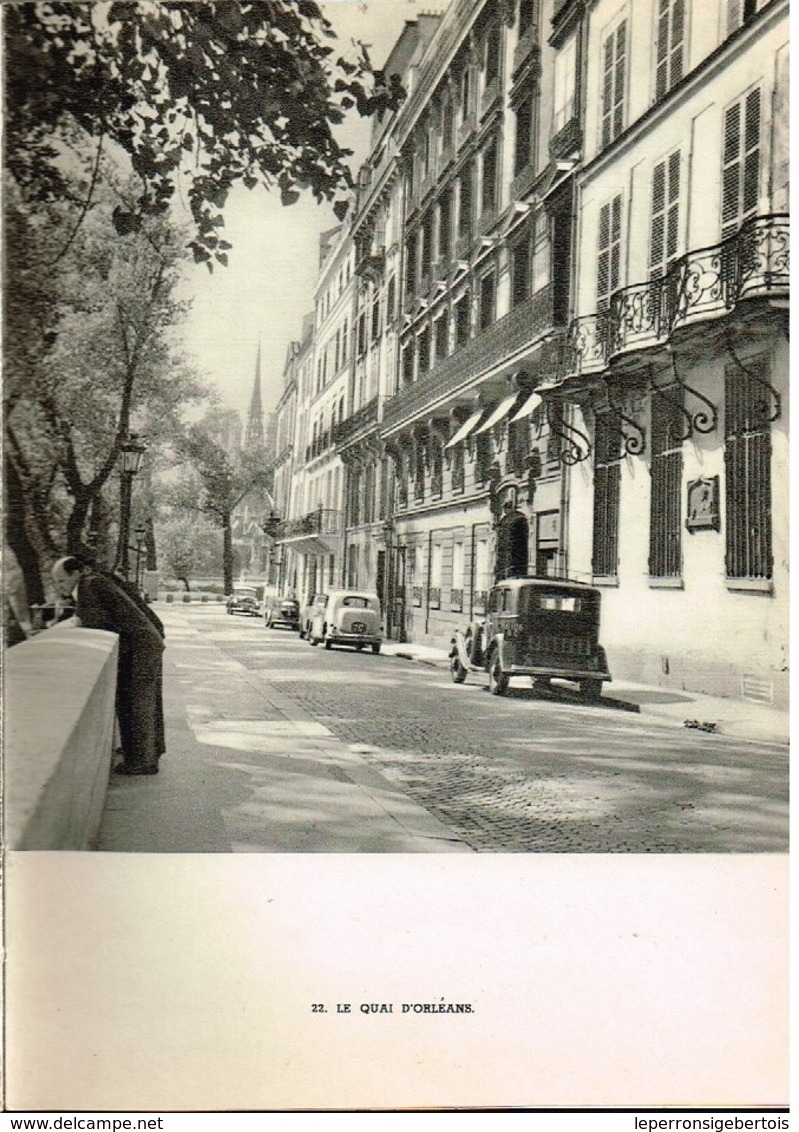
(17, 536)
(227, 553)
(98, 534)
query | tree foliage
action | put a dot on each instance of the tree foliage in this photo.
(217, 482)
(90, 355)
(201, 94)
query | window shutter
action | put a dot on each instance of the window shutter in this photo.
(618, 93)
(658, 223)
(751, 172)
(734, 15)
(603, 280)
(732, 147)
(673, 216)
(662, 55)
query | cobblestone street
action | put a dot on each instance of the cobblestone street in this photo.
(277, 721)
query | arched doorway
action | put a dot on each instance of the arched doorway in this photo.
(513, 546)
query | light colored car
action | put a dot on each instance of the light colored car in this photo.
(348, 617)
(315, 603)
(244, 599)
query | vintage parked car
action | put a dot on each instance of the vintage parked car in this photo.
(536, 627)
(244, 599)
(283, 611)
(348, 617)
(307, 612)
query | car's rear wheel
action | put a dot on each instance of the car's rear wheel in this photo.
(376, 647)
(457, 671)
(328, 643)
(497, 678)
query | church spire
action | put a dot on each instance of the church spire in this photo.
(255, 421)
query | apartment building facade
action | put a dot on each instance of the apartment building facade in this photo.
(568, 332)
(676, 362)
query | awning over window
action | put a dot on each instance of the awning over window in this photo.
(501, 411)
(529, 406)
(465, 429)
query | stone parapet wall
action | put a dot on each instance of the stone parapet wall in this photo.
(59, 693)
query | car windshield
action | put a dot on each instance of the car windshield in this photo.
(532, 599)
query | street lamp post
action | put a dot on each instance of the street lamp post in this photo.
(131, 452)
(140, 548)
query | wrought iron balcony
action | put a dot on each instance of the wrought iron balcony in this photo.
(366, 415)
(566, 140)
(522, 325)
(319, 522)
(700, 286)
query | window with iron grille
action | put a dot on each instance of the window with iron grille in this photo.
(664, 226)
(614, 78)
(747, 459)
(607, 476)
(740, 162)
(669, 45)
(665, 526)
(609, 252)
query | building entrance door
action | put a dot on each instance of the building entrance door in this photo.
(513, 546)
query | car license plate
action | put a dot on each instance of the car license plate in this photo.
(358, 627)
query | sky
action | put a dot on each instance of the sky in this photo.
(268, 286)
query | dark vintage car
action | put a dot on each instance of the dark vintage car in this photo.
(536, 627)
(244, 599)
(281, 611)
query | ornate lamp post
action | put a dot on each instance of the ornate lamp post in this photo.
(130, 456)
(140, 533)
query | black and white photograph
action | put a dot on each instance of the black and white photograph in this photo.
(396, 555)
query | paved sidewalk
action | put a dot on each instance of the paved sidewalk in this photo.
(247, 770)
(738, 718)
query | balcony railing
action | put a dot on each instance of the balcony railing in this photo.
(565, 139)
(319, 522)
(366, 415)
(526, 322)
(704, 284)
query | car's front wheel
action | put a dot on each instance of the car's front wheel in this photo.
(497, 677)
(376, 647)
(456, 669)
